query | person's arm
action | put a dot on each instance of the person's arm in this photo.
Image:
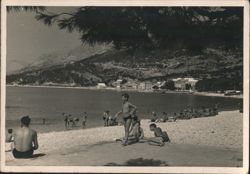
(118, 113)
(133, 109)
(35, 142)
(142, 134)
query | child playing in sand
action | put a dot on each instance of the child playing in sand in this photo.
(128, 111)
(160, 137)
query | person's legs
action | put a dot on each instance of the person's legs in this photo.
(133, 139)
(127, 124)
(156, 141)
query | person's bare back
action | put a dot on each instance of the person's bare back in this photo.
(25, 139)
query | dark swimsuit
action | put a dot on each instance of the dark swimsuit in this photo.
(18, 154)
(126, 118)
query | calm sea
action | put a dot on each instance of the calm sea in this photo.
(50, 103)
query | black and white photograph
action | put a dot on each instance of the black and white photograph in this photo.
(129, 87)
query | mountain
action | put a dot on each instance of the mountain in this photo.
(137, 65)
(64, 57)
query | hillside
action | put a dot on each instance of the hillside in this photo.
(140, 65)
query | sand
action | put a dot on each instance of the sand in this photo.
(212, 94)
(219, 138)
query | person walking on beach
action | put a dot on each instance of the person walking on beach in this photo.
(84, 119)
(160, 137)
(25, 140)
(128, 111)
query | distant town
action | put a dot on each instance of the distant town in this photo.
(181, 84)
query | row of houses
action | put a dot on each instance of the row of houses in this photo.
(179, 83)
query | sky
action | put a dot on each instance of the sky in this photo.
(28, 39)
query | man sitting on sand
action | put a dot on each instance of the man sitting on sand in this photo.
(160, 137)
(25, 140)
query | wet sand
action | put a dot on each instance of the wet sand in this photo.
(208, 141)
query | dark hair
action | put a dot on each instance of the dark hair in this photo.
(152, 125)
(125, 95)
(25, 120)
(10, 131)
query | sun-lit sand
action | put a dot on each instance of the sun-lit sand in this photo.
(223, 131)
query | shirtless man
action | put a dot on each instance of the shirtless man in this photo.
(25, 140)
(128, 112)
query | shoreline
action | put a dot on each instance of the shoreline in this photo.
(220, 135)
(209, 94)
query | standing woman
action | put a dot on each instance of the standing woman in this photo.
(128, 110)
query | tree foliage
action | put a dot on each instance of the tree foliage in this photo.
(26, 8)
(150, 27)
(223, 84)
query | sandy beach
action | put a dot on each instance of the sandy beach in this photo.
(217, 95)
(212, 141)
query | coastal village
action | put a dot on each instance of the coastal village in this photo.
(178, 84)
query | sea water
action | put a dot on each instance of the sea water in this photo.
(50, 103)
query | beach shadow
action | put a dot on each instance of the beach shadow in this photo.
(140, 162)
(35, 156)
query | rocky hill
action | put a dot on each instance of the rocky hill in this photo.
(139, 65)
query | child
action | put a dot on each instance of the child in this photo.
(84, 119)
(9, 140)
(160, 137)
(136, 132)
(127, 112)
(104, 117)
(66, 120)
(9, 136)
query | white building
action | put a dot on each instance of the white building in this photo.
(145, 86)
(117, 83)
(180, 83)
(101, 85)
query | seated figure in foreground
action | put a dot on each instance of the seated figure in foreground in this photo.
(160, 137)
(25, 140)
